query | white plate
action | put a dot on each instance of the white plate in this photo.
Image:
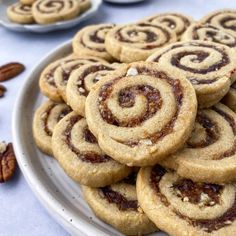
(60, 195)
(124, 1)
(44, 28)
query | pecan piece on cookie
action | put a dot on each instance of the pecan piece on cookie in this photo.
(7, 162)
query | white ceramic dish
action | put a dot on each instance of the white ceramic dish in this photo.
(124, 1)
(60, 195)
(44, 28)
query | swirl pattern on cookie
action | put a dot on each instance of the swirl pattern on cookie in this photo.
(230, 98)
(117, 205)
(133, 119)
(135, 42)
(50, 11)
(20, 13)
(224, 19)
(210, 152)
(78, 153)
(81, 81)
(90, 41)
(64, 70)
(175, 22)
(208, 66)
(209, 32)
(47, 78)
(182, 207)
(45, 119)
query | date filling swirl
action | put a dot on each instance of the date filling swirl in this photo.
(144, 36)
(54, 6)
(21, 9)
(212, 33)
(127, 99)
(91, 157)
(214, 205)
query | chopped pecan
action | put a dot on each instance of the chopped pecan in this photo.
(10, 70)
(7, 162)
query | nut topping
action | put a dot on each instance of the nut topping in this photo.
(10, 70)
(2, 90)
(7, 162)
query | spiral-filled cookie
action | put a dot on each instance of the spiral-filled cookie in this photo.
(135, 42)
(78, 153)
(175, 22)
(117, 205)
(45, 119)
(230, 98)
(182, 207)
(50, 11)
(210, 67)
(90, 41)
(47, 79)
(20, 13)
(81, 81)
(133, 118)
(209, 32)
(84, 5)
(65, 69)
(210, 153)
(224, 19)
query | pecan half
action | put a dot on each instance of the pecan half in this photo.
(7, 162)
(3, 89)
(10, 70)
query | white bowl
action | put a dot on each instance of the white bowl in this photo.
(44, 28)
(60, 195)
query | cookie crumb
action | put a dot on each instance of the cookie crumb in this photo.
(3, 147)
(132, 71)
(186, 199)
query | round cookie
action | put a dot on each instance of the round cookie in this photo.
(133, 119)
(27, 2)
(230, 98)
(224, 19)
(20, 13)
(84, 5)
(47, 79)
(64, 70)
(45, 119)
(78, 153)
(136, 42)
(210, 153)
(182, 207)
(50, 11)
(207, 32)
(210, 67)
(175, 22)
(90, 41)
(117, 205)
(81, 81)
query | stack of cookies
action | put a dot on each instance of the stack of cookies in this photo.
(46, 11)
(136, 115)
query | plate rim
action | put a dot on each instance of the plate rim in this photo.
(44, 195)
(61, 25)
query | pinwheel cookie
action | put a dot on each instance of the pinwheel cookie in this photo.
(210, 153)
(230, 98)
(20, 13)
(64, 70)
(50, 11)
(27, 2)
(182, 207)
(91, 41)
(133, 118)
(209, 32)
(45, 119)
(225, 19)
(175, 22)
(210, 67)
(84, 5)
(77, 151)
(135, 42)
(81, 81)
(117, 205)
